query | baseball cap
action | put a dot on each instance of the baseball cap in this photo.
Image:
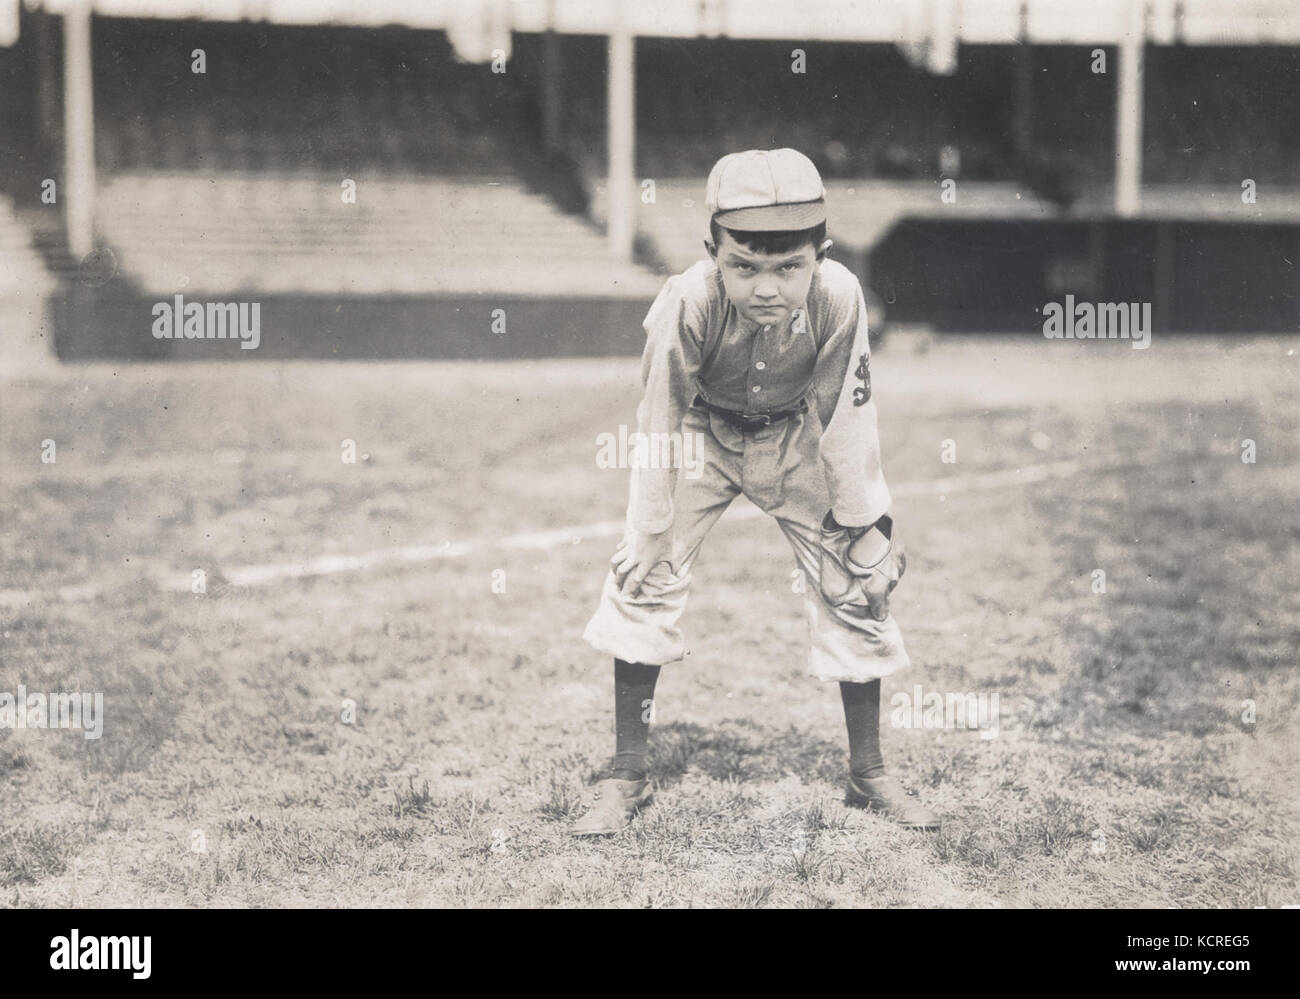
(766, 190)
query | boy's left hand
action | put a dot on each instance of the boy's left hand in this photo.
(855, 579)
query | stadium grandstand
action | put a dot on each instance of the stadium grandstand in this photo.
(547, 158)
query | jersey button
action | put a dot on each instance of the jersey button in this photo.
(761, 365)
(767, 329)
(755, 389)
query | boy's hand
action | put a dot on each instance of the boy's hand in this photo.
(637, 554)
(860, 566)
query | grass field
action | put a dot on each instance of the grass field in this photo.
(1122, 773)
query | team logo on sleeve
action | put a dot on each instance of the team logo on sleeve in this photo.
(863, 392)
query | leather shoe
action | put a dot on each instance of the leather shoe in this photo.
(885, 796)
(616, 802)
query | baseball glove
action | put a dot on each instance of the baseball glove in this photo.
(860, 566)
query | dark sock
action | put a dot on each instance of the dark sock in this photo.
(634, 689)
(862, 719)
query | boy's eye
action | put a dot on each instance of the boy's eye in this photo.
(789, 267)
(744, 267)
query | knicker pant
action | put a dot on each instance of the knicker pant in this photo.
(779, 469)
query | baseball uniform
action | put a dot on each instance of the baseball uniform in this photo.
(700, 352)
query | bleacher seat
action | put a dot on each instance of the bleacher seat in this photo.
(26, 345)
(272, 233)
(22, 270)
(389, 100)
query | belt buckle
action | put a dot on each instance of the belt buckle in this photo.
(755, 421)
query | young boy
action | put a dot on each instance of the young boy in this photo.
(761, 352)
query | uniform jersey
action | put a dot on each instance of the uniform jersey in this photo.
(697, 342)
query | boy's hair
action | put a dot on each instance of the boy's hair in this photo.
(771, 242)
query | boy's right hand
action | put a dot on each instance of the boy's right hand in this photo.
(636, 555)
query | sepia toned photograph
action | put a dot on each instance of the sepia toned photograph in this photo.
(579, 454)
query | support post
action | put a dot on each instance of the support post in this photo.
(78, 130)
(622, 139)
(1128, 114)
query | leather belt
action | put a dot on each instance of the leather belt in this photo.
(747, 422)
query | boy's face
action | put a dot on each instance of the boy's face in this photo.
(765, 288)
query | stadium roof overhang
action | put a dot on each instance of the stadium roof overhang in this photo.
(1191, 22)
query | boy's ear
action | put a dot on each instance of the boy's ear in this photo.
(713, 250)
(821, 250)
